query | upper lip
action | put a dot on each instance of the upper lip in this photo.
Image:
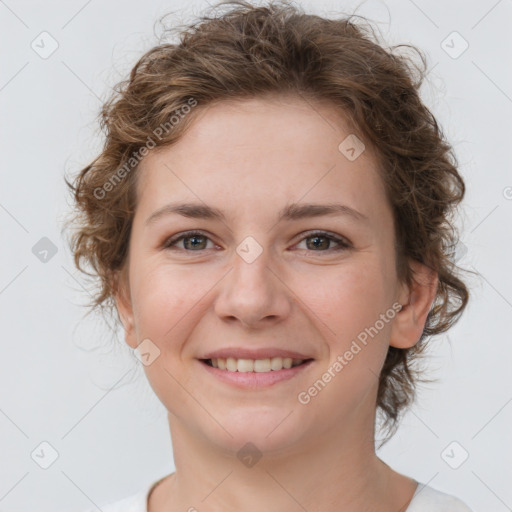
(260, 353)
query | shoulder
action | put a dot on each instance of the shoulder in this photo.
(428, 499)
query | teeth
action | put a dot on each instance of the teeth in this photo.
(231, 364)
(262, 365)
(255, 365)
(245, 365)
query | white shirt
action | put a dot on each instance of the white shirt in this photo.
(425, 499)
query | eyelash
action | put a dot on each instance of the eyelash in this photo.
(342, 243)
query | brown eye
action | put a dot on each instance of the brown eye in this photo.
(318, 242)
(322, 242)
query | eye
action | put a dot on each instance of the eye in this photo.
(322, 240)
(197, 241)
(193, 241)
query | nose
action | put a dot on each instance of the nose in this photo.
(253, 294)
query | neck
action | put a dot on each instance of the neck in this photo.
(341, 473)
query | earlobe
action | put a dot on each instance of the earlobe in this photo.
(124, 308)
(416, 300)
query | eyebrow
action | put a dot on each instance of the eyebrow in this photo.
(290, 212)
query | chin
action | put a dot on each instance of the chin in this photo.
(262, 429)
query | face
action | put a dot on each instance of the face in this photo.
(267, 279)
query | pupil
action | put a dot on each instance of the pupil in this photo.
(316, 238)
(195, 237)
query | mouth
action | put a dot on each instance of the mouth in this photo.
(254, 374)
(266, 365)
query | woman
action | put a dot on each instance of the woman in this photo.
(269, 219)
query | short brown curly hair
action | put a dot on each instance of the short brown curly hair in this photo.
(251, 51)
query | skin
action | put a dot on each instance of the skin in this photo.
(250, 158)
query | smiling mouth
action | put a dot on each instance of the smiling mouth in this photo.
(231, 364)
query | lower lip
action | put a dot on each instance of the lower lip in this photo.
(254, 380)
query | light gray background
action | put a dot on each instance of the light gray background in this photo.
(110, 433)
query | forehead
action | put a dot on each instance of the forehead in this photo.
(272, 124)
(276, 148)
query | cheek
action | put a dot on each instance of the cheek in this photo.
(350, 302)
(165, 309)
(169, 302)
(347, 298)
(162, 298)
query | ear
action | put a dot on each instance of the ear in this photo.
(121, 292)
(416, 301)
